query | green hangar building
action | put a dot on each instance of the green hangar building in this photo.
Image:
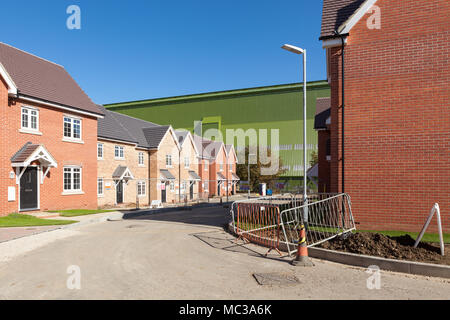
(272, 107)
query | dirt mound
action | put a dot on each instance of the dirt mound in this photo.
(402, 247)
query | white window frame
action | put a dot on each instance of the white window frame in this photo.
(72, 190)
(205, 165)
(220, 167)
(187, 162)
(121, 152)
(141, 186)
(100, 146)
(141, 159)
(168, 161)
(206, 185)
(29, 128)
(100, 193)
(72, 119)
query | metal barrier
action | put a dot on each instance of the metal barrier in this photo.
(324, 220)
(274, 221)
(259, 223)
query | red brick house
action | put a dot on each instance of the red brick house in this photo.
(387, 63)
(48, 143)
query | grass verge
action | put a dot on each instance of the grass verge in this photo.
(23, 220)
(79, 212)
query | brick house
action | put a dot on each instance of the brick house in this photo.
(49, 136)
(203, 166)
(390, 128)
(123, 161)
(232, 178)
(164, 164)
(189, 166)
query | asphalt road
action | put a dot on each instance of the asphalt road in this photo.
(180, 255)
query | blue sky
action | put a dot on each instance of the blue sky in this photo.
(141, 49)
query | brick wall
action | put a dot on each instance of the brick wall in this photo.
(324, 164)
(397, 111)
(65, 153)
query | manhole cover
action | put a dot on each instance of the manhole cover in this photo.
(275, 279)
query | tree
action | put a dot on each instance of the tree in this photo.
(255, 172)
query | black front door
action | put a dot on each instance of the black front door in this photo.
(119, 192)
(191, 191)
(29, 189)
(218, 189)
(163, 194)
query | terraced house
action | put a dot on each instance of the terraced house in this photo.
(123, 161)
(190, 180)
(48, 136)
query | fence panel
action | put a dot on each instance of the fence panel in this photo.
(324, 219)
(275, 221)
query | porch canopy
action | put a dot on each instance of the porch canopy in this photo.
(234, 177)
(166, 175)
(32, 154)
(193, 176)
(220, 177)
(122, 173)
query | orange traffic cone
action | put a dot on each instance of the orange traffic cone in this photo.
(302, 258)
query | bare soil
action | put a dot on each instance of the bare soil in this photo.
(401, 248)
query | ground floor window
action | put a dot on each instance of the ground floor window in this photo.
(72, 179)
(206, 185)
(100, 186)
(141, 188)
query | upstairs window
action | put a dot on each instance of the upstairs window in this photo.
(186, 162)
(118, 152)
(168, 160)
(100, 151)
(30, 119)
(141, 158)
(72, 128)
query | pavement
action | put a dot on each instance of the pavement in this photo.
(179, 255)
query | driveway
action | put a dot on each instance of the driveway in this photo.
(181, 255)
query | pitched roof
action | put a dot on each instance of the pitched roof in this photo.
(154, 135)
(181, 135)
(122, 172)
(323, 111)
(335, 13)
(117, 126)
(37, 78)
(24, 152)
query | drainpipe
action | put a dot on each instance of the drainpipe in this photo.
(342, 106)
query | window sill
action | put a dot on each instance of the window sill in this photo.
(99, 158)
(142, 196)
(141, 165)
(71, 193)
(169, 167)
(73, 140)
(100, 196)
(38, 133)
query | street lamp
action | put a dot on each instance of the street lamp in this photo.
(298, 50)
(248, 175)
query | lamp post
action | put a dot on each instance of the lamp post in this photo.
(298, 50)
(248, 175)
